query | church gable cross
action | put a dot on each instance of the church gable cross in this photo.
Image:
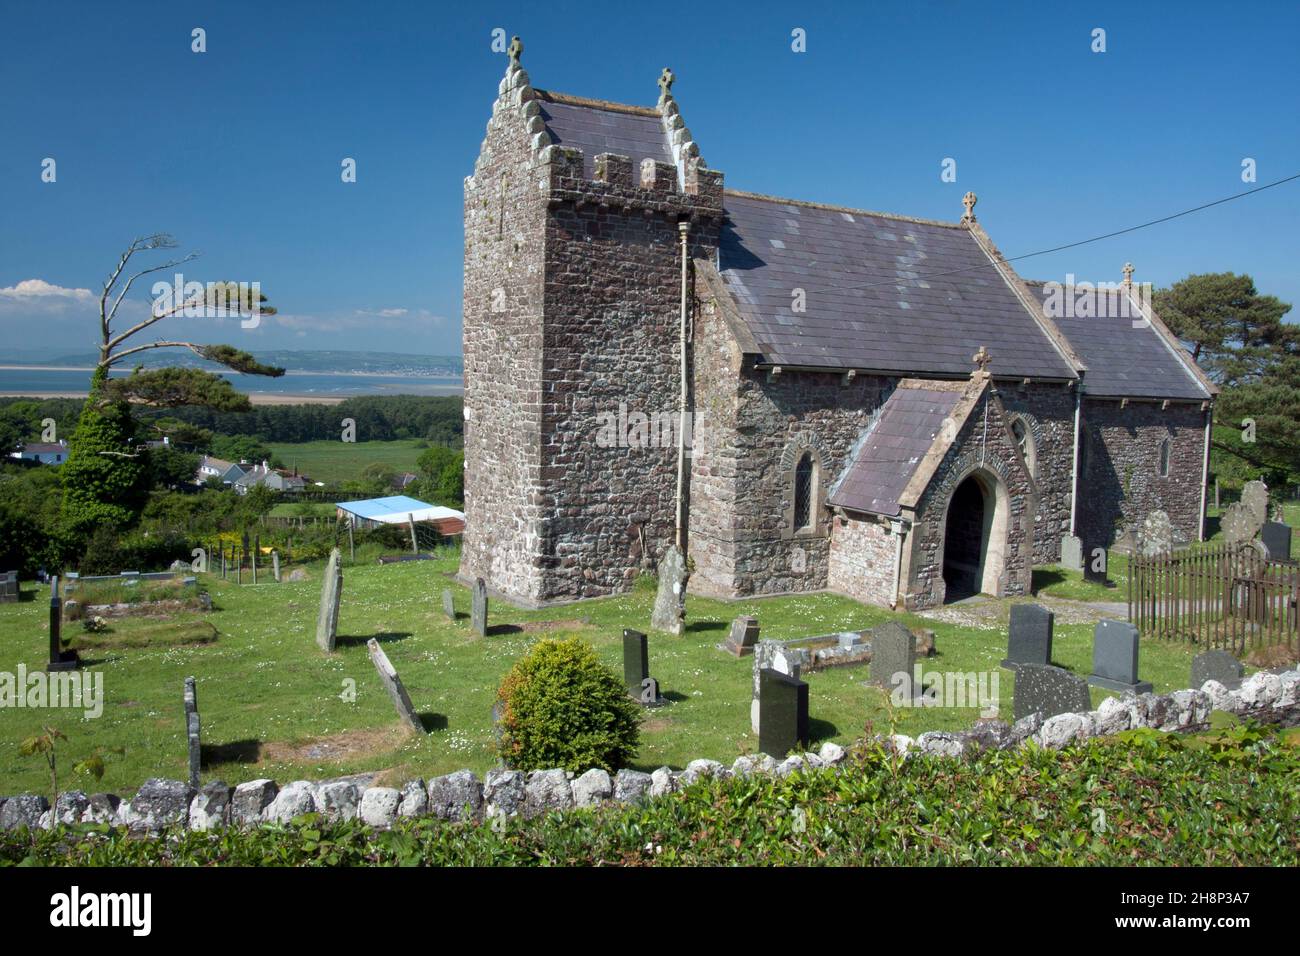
(982, 358)
(666, 83)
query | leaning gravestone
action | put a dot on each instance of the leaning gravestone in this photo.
(393, 684)
(1072, 552)
(448, 605)
(478, 608)
(778, 657)
(1217, 665)
(893, 653)
(331, 591)
(192, 730)
(60, 660)
(1156, 536)
(783, 713)
(1049, 691)
(275, 566)
(1254, 496)
(743, 636)
(1115, 658)
(1277, 539)
(670, 602)
(1029, 636)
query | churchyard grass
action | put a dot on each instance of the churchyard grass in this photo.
(274, 705)
(333, 461)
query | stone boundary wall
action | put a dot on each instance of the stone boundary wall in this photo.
(161, 804)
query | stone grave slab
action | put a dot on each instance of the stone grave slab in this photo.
(783, 713)
(670, 600)
(777, 656)
(1029, 636)
(893, 653)
(743, 636)
(1277, 539)
(1072, 552)
(192, 730)
(448, 605)
(1050, 691)
(479, 608)
(1217, 665)
(1115, 658)
(331, 592)
(393, 685)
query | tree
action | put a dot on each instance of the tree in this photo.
(1242, 342)
(106, 475)
(442, 476)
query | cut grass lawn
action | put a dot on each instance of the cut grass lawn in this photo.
(337, 461)
(274, 706)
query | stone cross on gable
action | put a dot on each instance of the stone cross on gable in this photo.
(969, 200)
(515, 50)
(982, 358)
(666, 83)
(1128, 273)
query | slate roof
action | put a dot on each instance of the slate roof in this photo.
(595, 128)
(888, 454)
(903, 322)
(1123, 361)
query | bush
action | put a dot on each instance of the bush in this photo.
(561, 707)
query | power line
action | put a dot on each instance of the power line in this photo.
(1072, 245)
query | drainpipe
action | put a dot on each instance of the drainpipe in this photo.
(683, 229)
(1205, 468)
(1074, 465)
(897, 528)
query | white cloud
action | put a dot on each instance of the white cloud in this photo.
(39, 289)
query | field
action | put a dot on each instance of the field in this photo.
(336, 461)
(274, 706)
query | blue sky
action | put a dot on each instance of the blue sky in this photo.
(237, 151)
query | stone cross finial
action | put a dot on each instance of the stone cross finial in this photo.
(982, 358)
(666, 83)
(515, 51)
(1128, 273)
(969, 200)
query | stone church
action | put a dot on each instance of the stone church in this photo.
(804, 397)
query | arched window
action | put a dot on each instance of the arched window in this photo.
(1164, 458)
(1025, 439)
(804, 479)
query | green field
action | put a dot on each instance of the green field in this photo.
(274, 706)
(337, 461)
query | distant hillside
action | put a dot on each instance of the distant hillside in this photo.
(372, 363)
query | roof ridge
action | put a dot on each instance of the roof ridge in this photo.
(568, 99)
(833, 208)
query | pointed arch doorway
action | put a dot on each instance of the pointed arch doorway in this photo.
(975, 537)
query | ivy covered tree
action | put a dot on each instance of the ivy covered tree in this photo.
(106, 476)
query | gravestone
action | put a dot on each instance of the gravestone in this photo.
(1243, 520)
(448, 605)
(275, 566)
(743, 636)
(670, 602)
(327, 622)
(1277, 539)
(1115, 658)
(1029, 636)
(60, 660)
(636, 661)
(192, 728)
(1094, 564)
(479, 608)
(1254, 496)
(1072, 552)
(893, 653)
(1050, 691)
(778, 657)
(393, 684)
(1156, 536)
(9, 587)
(783, 713)
(1217, 665)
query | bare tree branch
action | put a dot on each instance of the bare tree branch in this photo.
(170, 264)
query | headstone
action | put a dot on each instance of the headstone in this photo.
(1050, 691)
(743, 636)
(393, 684)
(778, 657)
(275, 566)
(1115, 658)
(1094, 564)
(60, 660)
(636, 661)
(479, 608)
(1072, 552)
(1254, 496)
(448, 605)
(72, 610)
(670, 602)
(893, 652)
(1217, 665)
(1277, 539)
(1029, 636)
(327, 622)
(192, 729)
(1156, 536)
(783, 713)
(9, 587)
(1243, 520)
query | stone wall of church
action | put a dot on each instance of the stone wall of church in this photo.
(1048, 410)
(1120, 481)
(861, 561)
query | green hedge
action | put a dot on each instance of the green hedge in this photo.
(1230, 798)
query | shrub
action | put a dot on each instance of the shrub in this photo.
(561, 707)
